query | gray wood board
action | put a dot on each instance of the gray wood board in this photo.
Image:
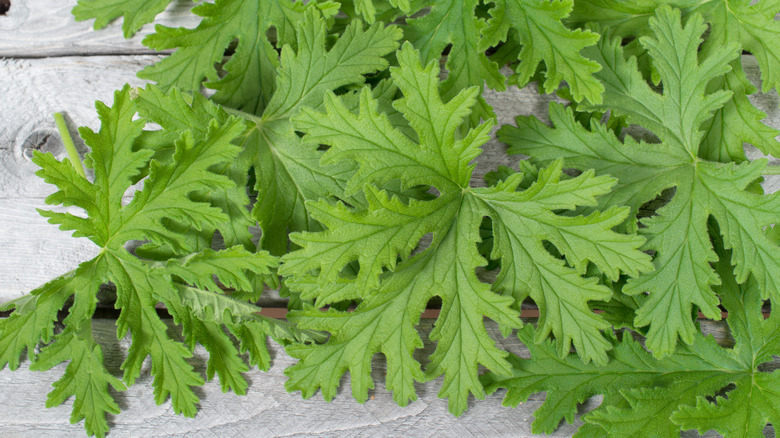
(41, 28)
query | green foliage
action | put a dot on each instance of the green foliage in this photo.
(135, 13)
(287, 172)
(249, 79)
(699, 386)
(390, 229)
(369, 9)
(536, 24)
(750, 25)
(538, 28)
(683, 276)
(163, 212)
(360, 179)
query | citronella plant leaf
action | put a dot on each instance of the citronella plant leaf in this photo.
(751, 25)
(389, 228)
(536, 23)
(545, 38)
(117, 161)
(134, 13)
(456, 24)
(177, 113)
(677, 234)
(659, 397)
(249, 80)
(368, 8)
(287, 172)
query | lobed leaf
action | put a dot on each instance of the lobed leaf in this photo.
(659, 397)
(751, 25)
(164, 211)
(135, 13)
(378, 238)
(678, 234)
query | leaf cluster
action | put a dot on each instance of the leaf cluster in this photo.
(335, 160)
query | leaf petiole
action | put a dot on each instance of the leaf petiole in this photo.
(244, 115)
(67, 140)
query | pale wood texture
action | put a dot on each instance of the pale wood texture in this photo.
(41, 28)
(46, 73)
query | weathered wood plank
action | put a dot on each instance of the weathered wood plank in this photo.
(41, 28)
(33, 90)
(31, 260)
(268, 410)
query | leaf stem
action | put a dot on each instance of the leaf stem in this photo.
(67, 140)
(771, 170)
(244, 115)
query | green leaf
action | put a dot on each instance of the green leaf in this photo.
(135, 13)
(678, 234)
(85, 378)
(165, 211)
(528, 269)
(222, 308)
(658, 397)
(545, 38)
(178, 113)
(468, 34)
(368, 9)
(249, 82)
(455, 22)
(287, 172)
(752, 26)
(32, 320)
(231, 266)
(745, 412)
(395, 284)
(570, 382)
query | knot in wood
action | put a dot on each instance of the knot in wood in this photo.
(44, 141)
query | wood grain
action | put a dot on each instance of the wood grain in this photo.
(33, 90)
(41, 28)
(267, 410)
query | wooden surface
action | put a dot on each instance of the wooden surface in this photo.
(49, 63)
(41, 28)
